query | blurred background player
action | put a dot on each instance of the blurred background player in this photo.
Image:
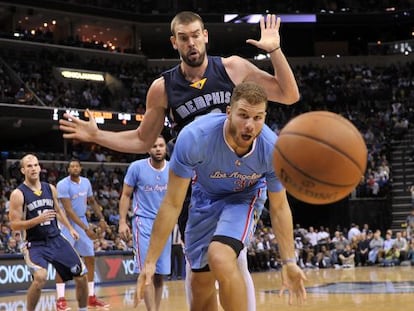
(75, 194)
(146, 181)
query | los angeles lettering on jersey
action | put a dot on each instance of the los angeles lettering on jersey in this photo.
(238, 175)
(159, 188)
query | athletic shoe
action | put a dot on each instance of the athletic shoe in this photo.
(94, 302)
(62, 305)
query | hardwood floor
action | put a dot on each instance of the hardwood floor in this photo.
(361, 288)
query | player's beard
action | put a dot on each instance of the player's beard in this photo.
(197, 62)
(237, 136)
(75, 175)
(157, 158)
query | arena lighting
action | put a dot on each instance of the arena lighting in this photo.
(255, 18)
(82, 74)
(261, 56)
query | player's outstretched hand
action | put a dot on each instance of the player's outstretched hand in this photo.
(269, 38)
(293, 279)
(77, 129)
(144, 279)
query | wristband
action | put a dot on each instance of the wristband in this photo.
(275, 49)
(288, 260)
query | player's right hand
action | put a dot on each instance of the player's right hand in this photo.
(293, 279)
(75, 128)
(46, 216)
(124, 231)
(270, 38)
(145, 279)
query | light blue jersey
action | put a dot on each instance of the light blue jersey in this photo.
(150, 185)
(78, 193)
(219, 170)
(228, 191)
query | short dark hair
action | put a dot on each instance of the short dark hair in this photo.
(74, 160)
(185, 17)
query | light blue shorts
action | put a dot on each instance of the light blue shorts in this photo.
(234, 216)
(84, 245)
(141, 228)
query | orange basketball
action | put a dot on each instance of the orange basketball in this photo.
(320, 157)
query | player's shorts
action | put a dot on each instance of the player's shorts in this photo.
(234, 216)
(56, 251)
(141, 228)
(84, 245)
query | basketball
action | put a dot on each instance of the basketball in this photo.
(320, 157)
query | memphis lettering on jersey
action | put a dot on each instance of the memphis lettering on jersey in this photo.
(202, 102)
(40, 203)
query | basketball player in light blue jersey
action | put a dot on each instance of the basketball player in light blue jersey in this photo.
(75, 194)
(232, 157)
(146, 180)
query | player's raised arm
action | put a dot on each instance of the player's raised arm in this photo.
(280, 87)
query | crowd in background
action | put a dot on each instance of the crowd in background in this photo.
(342, 248)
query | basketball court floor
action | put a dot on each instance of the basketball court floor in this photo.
(361, 288)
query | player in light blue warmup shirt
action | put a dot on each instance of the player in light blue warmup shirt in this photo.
(75, 194)
(232, 158)
(146, 180)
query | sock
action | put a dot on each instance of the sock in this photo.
(251, 295)
(60, 290)
(83, 309)
(187, 283)
(91, 288)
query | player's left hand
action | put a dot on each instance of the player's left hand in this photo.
(103, 224)
(270, 38)
(293, 279)
(91, 233)
(145, 279)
